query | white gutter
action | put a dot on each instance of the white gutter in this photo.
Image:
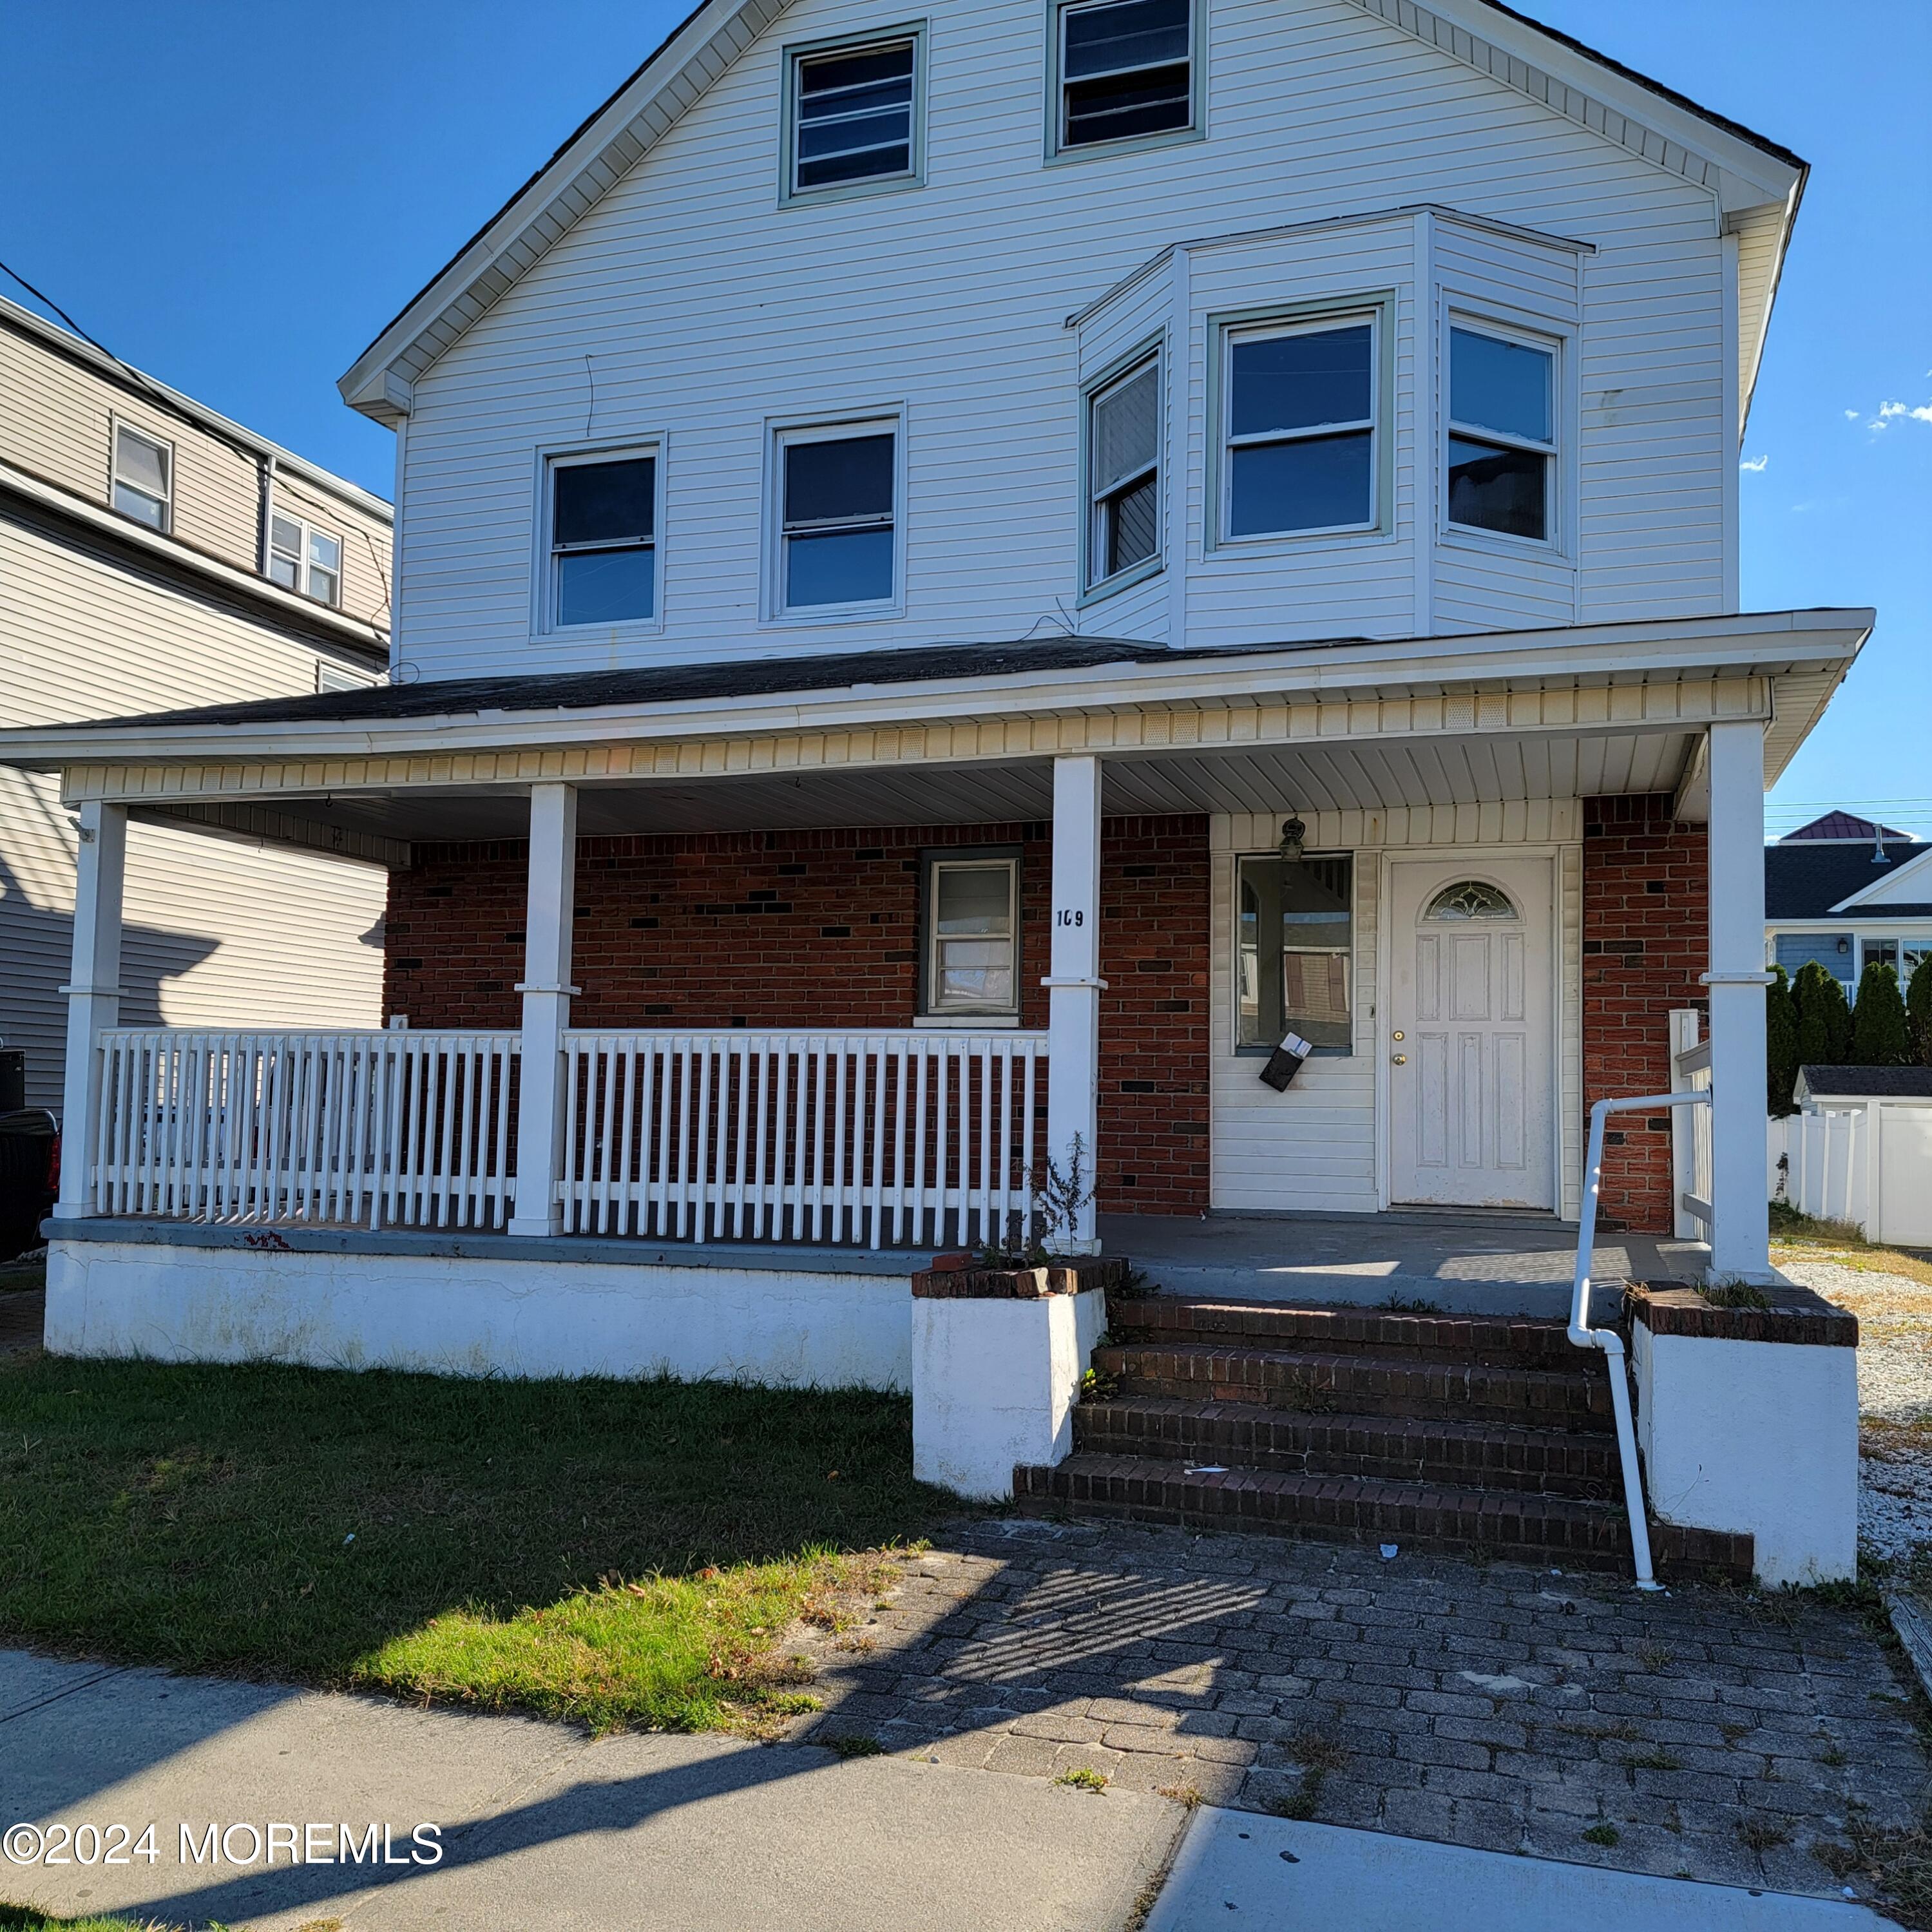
(122, 529)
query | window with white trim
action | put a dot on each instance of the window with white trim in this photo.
(1298, 428)
(972, 937)
(144, 477)
(1123, 472)
(304, 558)
(1126, 70)
(838, 494)
(853, 114)
(1294, 950)
(602, 525)
(1502, 433)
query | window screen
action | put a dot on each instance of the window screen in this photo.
(1124, 444)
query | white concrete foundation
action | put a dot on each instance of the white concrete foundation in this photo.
(488, 1315)
(1756, 1436)
(994, 1383)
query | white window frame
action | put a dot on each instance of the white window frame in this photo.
(1551, 542)
(116, 424)
(303, 562)
(780, 436)
(1263, 329)
(931, 1012)
(1196, 129)
(1237, 1048)
(1151, 354)
(790, 193)
(551, 458)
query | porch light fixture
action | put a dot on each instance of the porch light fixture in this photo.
(1844, 945)
(1292, 834)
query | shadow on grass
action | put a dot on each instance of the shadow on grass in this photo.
(548, 1544)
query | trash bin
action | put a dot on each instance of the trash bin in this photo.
(29, 1171)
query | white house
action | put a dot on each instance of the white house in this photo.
(153, 553)
(961, 574)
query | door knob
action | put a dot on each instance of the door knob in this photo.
(1401, 1059)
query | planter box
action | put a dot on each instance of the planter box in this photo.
(997, 1355)
(1747, 1420)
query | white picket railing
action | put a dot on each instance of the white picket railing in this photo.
(883, 1137)
(363, 1129)
(1691, 1130)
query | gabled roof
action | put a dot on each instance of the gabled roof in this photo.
(1745, 170)
(1889, 888)
(1814, 879)
(1865, 1083)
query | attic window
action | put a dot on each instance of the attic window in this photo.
(304, 559)
(144, 477)
(853, 116)
(1126, 71)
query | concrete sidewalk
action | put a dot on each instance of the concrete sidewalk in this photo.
(539, 1826)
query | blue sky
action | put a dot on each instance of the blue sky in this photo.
(237, 198)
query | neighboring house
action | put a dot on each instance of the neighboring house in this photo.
(962, 572)
(153, 554)
(1844, 892)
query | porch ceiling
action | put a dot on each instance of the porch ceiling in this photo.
(1478, 770)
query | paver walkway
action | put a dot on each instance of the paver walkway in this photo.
(1716, 1735)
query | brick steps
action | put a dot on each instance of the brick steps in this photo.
(1492, 1341)
(1553, 1462)
(1309, 1382)
(1512, 1526)
(1458, 1434)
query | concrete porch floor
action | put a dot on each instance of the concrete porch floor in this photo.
(1464, 1264)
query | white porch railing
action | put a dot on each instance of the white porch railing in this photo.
(1691, 1130)
(879, 1137)
(349, 1129)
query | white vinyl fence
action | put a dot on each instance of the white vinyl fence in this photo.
(1869, 1163)
(879, 1137)
(362, 1129)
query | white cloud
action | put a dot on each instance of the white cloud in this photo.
(1851, 415)
(1888, 411)
(1755, 464)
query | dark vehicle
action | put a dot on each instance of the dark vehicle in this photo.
(29, 1177)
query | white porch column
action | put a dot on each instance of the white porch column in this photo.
(1074, 986)
(93, 998)
(547, 992)
(1740, 1233)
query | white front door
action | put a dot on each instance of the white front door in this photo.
(1471, 1066)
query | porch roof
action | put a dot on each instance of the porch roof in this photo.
(967, 734)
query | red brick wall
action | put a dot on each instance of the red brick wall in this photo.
(1645, 898)
(821, 928)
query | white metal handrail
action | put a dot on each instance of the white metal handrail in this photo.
(879, 1136)
(349, 1129)
(1607, 1340)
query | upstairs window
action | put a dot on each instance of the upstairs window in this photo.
(854, 116)
(603, 538)
(1502, 442)
(304, 559)
(144, 477)
(972, 951)
(1298, 412)
(838, 491)
(1126, 71)
(1123, 467)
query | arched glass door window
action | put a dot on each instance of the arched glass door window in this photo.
(1471, 898)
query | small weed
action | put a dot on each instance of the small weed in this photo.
(1083, 1777)
(1605, 1835)
(1760, 1834)
(1730, 1294)
(1419, 1304)
(1654, 1760)
(1834, 1756)
(853, 1744)
(1731, 1733)
(1624, 1733)
(1841, 1861)
(1186, 1795)
(1096, 1385)
(1314, 1751)
(1654, 1658)
(1301, 1804)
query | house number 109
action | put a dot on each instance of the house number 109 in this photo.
(1076, 916)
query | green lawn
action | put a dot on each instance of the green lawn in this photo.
(25, 1918)
(619, 1552)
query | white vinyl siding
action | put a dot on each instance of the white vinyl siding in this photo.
(708, 313)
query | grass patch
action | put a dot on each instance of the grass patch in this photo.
(620, 1553)
(851, 1744)
(1808, 1239)
(1605, 1835)
(1735, 1294)
(26, 1919)
(18, 1277)
(1084, 1778)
